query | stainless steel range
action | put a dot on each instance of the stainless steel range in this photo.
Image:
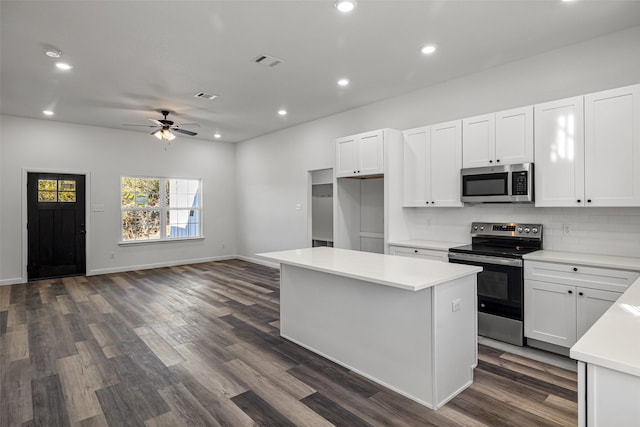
(498, 248)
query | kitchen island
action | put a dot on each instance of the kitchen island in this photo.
(407, 324)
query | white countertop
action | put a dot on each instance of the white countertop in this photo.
(399, 272)
(592, 260)
(614, 340)
(426, 244)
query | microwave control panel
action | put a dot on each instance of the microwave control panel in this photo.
(519, 184)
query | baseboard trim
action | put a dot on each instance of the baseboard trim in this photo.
(124, 269)
(14, 281)
(96, 272)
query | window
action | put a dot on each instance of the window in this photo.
(56, 190)
(160, 208)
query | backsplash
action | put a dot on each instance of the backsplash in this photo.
(611, 231)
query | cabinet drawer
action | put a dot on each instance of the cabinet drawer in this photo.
(430, 254)
(606, 279)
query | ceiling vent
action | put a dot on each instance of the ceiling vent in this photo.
(266, 60)
(205, 95)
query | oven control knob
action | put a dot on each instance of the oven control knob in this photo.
(534, 230)
(475, 227)
(482, 228)
(526, 230)
(520, 229)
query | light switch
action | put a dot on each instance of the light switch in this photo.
(455, 304)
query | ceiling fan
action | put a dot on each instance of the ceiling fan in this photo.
(166, 128)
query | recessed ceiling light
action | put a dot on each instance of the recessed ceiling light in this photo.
(343, 82)
(428, 49)
(345, 6)
(217, 135)
(47, 112)
(282, 112)
(63, 66)
(52, 52)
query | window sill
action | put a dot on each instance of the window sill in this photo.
(155, 242)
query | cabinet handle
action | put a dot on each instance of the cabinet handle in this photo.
(579, 201)
(433, 203)
(575, 268)
(497, 160)
(490, 161)
(358, 171)
(580, 293)
(570, 292)
(415, 251)
(588, 200)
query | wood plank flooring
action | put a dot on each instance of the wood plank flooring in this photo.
(199, 345)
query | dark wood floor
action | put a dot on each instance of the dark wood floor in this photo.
(199, 345)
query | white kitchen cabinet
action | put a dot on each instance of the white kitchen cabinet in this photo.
(586, 150)
(360, 155)
(591, 304)
(562, 301)
(432, 161)
(612, 147)
(559, 152)
(430, 254)
(550, 312)
(502, 138)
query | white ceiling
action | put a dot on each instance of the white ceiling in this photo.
(134, 58)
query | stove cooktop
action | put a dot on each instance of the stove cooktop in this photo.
(506, 240)
(490, 250)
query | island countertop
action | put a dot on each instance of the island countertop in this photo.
(399, 272)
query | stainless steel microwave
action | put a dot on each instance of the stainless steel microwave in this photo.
(498, 184)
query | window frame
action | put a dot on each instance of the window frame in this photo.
(163, 209)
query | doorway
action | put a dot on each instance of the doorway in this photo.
(56, 232)
(321, 207)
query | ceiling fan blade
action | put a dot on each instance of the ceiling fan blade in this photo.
(158, 122)
(186, 132)
(189, 124)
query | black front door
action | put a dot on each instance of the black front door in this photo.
(56, 225)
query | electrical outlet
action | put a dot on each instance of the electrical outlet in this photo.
(566, 229)
(298, 206)
(455, 304)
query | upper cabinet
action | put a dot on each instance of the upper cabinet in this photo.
(559, 153)
(360, 155)
(612, 147)
(587, 150)
(432, 161)
(501, 138)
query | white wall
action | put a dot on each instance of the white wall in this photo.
(106, 155)
(272, 170)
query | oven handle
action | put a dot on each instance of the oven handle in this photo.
(485, 259)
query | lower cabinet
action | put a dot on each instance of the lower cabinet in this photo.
(431, 254)
(562, 301)
(560, 314)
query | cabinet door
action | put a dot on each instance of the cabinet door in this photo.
(346, 156)
(550, 312)
(371, 151)
(591, 305)
(559, 152)
(416, 178)
(445, 159)
(612, 147)
(514, 136)
(478, 141)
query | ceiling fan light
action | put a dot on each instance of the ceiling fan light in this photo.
(168, 135)
(157, 134)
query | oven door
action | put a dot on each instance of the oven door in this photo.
(500, 284)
